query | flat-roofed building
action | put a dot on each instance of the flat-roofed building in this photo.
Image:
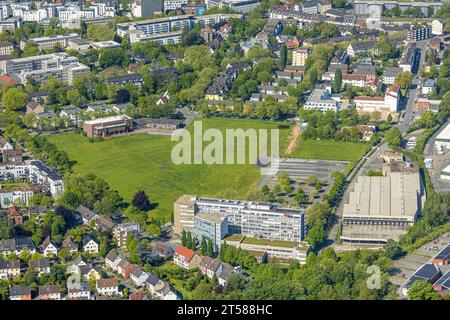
(210, 226)
(443, 138)
(109, 126)
(253, 219)
(52, 41)
(282, 250)
(320, 99)
(299, 56)
(382, 208)
(244, 6)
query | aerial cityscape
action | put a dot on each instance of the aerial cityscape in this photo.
(225, 150)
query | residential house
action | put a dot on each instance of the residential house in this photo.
(361, 47)
(15, 215)
(186, 258)
(70, 245)
(72, 113)
(90, 244)
(225, 274)
(125, 268)
(20, 293)
(73, 266)
(12, 156)
(138, 276)
(41, 266)
(80, 290)
(210, 267)
(428, 86)
(112, 259)
(86, 214)
(163, 98)
(16, 246)
(88, 272)
(50, 292)
(164, 291)
(132, 78)
(390, 74)
(108, 287)
(49, 248)
(9, 269)
(162, 250)
(35, 107)
(5, 144)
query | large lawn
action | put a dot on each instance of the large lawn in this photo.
(143, 161)
(330, 150)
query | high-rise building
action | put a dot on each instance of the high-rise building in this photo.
(299, 56)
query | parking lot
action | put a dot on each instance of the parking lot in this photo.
(404, 267)
(304, 168)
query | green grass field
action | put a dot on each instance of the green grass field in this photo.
(330, 150)
(143, 161)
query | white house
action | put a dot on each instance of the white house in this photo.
(108, 287)
(138, 277)
(90, 244)
(49, 248)
(112, 260)
(437, 27)
(80, 290)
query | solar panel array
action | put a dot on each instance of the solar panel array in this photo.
(444, 281)
(426, 272)
(443, 254)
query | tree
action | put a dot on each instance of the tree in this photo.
(204, 246)
(6, 228)
(74, 97)
(337, 83)
(210, 248)
(422, 290)
(140, 201)
(393, 137)
(404, 79)
(15, 99)
(30, 49)
(392, 249)
(184, 238)
(99, 32)
(301, 196)
(153, 230)
(283, 56)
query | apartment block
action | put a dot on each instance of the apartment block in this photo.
(52, 41)
(299, 56)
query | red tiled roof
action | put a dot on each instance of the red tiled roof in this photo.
(368, 98)
(185, 252)
(8, 80)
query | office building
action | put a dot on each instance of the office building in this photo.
(210, 226)
(253, 219)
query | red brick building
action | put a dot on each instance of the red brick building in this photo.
(109, 126)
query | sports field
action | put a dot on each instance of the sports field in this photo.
(143, 161)
(330, 150)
